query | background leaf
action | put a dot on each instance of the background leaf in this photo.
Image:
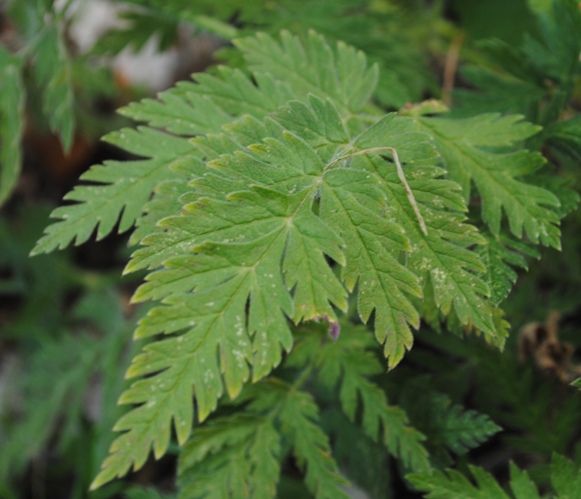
(11, 122)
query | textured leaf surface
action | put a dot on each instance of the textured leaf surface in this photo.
(535, 79)
(116, 188)
(448, 427)
(500, 258)
(442, 255)
(443, 485)
(565, 478)
(187, 110)
(495, 175)
(231, 457)
(458, 429)
(240, 455)
(239, 265)
(311, 447)
(383, 36)
(214, 100)
(350, 361)
(341, 75)
(521, 485)
(566, 136)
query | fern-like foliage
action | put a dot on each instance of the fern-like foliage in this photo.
(448, 427)
(501, 256)
(565, 480)
(535, 79)
(243, 452)
(349, 363)
(456, 429)
(247, 449)
(495, 174)
(40, 26)
(267, 199)
(231, 455)
(60, 372)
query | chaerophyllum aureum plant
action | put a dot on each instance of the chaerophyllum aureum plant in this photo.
(289, 227)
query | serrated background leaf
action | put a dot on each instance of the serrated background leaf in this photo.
(311, 447)
(11, 122)
(231, 456)
(349, 362)
(443, 485)
(528, 208)
(53, 74)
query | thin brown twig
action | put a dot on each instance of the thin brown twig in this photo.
(451, 67)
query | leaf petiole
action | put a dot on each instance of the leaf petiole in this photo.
(400, 174)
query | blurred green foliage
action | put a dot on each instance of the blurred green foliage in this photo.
(65, 327)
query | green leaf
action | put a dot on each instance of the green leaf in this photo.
(189, 109)
(52, 71)
(299, 417)
(231, 456)
(341, 74)
(227, 275)
(443, 485)
(441, 255)
(496, 92)
(382, 279)
(117, 188)
(123, 188)
(214, 100)
(447, 427)
(556, 50)
(164, 203)
(351, 360)
(383, 33)
(11, 122)
(266, 199)
(500, 256)
(240, 454)
(458, 429)
(521, 485)
(566, 136)
(528, 208)
(353, 204)
(565, 477)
